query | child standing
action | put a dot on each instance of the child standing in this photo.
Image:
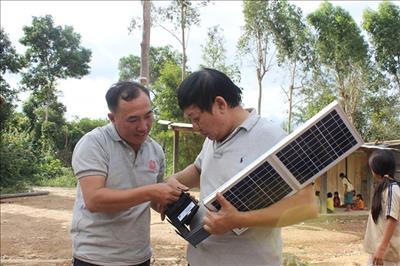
(348, 191)
(382, 237)
(336, 200)
(329, 203)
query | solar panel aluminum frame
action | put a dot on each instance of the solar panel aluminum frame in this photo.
(271, 157)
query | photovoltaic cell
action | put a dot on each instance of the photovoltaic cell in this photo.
(259, 189)
(317, 147)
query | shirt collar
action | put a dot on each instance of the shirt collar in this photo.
(251, 120)
(110, 128)
(247, 125)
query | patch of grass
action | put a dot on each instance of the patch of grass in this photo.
(290, 259)
(67, 179)
(19, 187)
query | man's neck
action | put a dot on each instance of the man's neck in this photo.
(238, 116)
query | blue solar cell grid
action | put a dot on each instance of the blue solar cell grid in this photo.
(317, 147)
(259, 189)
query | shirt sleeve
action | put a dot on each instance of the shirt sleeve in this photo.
(160, 176)
(393, 202)
(89, 158)
(199, 158)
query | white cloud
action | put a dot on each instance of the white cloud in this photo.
(85, 97)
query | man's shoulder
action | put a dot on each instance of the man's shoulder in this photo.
(154, 145)
(271, 128)
(98, 134)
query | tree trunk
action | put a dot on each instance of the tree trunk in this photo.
(259, 80)
(291, 88)
(260, 71)
(396, 78)
(289, 124)
(145, 44)
(183, 25)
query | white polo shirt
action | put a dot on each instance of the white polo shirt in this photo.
(121, 238)
(217, 163)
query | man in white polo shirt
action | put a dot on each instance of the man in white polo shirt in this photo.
(235, 138)
(120, 171)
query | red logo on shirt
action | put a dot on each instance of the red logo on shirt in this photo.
(152, 165)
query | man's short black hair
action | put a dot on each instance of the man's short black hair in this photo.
(201, 87)
(124, 90)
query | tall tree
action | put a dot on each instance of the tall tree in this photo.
(10, 62)
(341, 49)
(183, 14)
(292, 40)
(129, 66)
(145, 45)
(53, 52)
(256, 39)
(383, 27)
(317, 92)
(214, 54)
(379, 115)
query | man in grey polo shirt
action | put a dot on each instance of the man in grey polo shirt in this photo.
(120, 171)
(235, 138)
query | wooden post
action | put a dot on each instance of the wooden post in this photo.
(370, 191)
(175, 151)
(323, 192)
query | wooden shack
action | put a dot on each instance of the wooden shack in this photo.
(177, 128)
(355, 166)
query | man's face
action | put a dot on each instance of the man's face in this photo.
(133, 120)
(210, 125)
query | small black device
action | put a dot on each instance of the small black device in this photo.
(180, 213)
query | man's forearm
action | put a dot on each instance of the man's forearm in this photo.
(114, 200)
(189, 177)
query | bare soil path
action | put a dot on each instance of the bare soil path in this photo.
(35, 231)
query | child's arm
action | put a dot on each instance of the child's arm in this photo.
(390, 226)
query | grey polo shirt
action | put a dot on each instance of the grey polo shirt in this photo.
(218, 162)
(121, 238)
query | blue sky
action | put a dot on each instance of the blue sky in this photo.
(103, 26)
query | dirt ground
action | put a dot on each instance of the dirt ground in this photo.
(35, 231)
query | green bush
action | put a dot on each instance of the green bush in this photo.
(18, 162)
(66, 179)
(48, 167)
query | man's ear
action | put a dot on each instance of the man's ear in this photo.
(111, 117)
(220, 103)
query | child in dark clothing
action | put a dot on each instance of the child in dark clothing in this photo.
(336, 199)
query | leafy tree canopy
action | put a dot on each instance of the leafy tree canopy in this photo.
(339, 41)
(214, 54)
(54, 52)
(383, 27)
(129, 66)
(10, 62)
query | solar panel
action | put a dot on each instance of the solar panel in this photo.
(317, 147)
(293, 163)
(257, 190)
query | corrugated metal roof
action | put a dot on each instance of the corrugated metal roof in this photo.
(177, 126)
(386, 144)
